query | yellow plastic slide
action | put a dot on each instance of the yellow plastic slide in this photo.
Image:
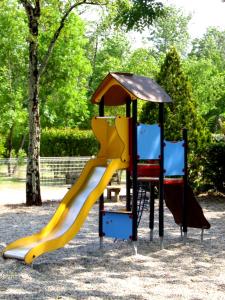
(75, 206)
(70, 214)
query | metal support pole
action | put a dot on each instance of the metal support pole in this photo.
(128, 187)
(128, 181)
(152, 209)
(185, 190)
(161, 176)
(101, 199)
(134, 163)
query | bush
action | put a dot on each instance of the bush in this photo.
(214, 166)
(68, 142)
(63, 142)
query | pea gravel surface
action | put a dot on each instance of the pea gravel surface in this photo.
(80, 270)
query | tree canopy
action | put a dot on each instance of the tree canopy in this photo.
(170, 30)
(205, 67)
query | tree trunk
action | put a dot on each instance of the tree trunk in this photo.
(33, 194)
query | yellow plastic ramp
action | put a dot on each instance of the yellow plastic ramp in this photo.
(71, 213)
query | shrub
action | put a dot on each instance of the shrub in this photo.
(68, 142)
(63, 142)
(214, 166)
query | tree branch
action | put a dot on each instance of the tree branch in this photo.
(25, 2)
(27, 5)
(57, 33)
(37, 9)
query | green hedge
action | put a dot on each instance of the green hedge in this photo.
(63, 142)
(68, 142)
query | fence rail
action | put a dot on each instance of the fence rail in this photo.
(53, 170)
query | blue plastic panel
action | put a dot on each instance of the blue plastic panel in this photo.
(174, 158)
(117, 225)
(148, 137)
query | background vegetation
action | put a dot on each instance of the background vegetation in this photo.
(191, 71)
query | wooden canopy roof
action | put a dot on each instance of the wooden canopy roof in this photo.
(118, 87)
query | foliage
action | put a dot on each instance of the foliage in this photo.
(2, 145)
(137, 14)
(214, 166)
(61, 142)
(68, 142)
(170, 30)
(208, 89)
(77, 64)
(112, 56)
(35, 10)
(205, 67)
(13, 64)
(211, 46)
(142, 62)
(63, 85)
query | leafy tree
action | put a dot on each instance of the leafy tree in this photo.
(137, 14)
(211, 46)
(13, 65)
(132, 13)
(68, 61)
(205, 67)
(182, 112)
(208, 89)
(111, 56)
(170, 30)
(63, 90)
(142, 62)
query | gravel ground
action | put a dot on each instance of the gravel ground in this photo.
(82, 271)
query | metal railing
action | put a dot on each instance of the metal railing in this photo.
(53, 170)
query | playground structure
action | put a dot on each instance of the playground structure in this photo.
(122, 146)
